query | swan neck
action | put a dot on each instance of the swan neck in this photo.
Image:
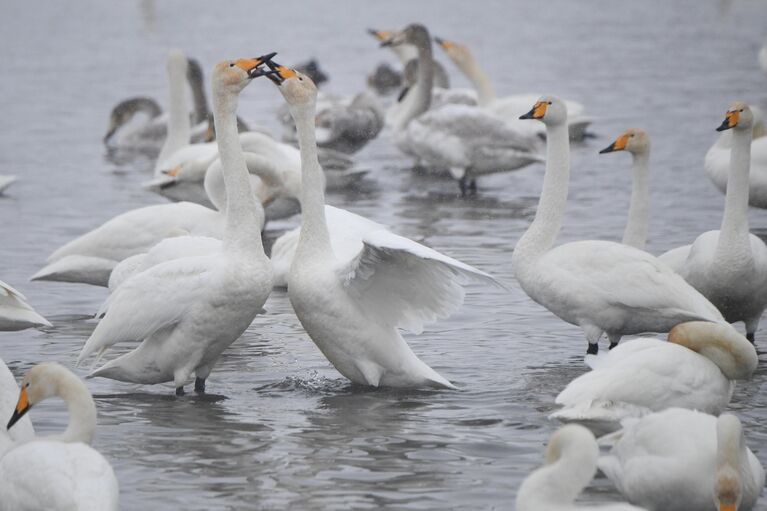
(243, 215)
(542, 233)
(734, 235)
(179, 131)
(148, 106)
(81, 408)
(731, 451)
(481, 82)
(558, 483)
(635, 234)
(201, 112)
(314, 229)
(421, 92)
(404, 52)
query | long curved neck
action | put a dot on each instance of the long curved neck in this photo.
(81, 408)
(147, 105)
(314, 229)
(419, 98)
(199, 100)
(481, 82)
(558, 483)
(635, 234)
(404, 52)
(179, 130)
(734, 242)
(542, 233)
(243, 215)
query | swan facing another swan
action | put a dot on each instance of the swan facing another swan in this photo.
(570, 464)
(600, 286)
(352, 305)
(695, 369)
(188, 310)
(15, 312)
(683, 460)
(59, 471)
(729, 266)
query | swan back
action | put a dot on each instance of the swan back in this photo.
(720, 343)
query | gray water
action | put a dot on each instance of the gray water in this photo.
(281, 429)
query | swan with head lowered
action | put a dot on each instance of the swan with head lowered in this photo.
(684, 460)
(600, 286)
(353, 305)
(58, 471)
(188, 310)
(729, 266)
(15, 312)
(636, 142)
(570, 465)
(464, 140)
(511, 107)
(695, 369)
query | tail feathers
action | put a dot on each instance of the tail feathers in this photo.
(77, 269)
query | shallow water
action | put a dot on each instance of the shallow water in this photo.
(281, 429)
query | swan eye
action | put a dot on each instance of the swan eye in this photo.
(549, 102)
(632, 135)
(231, 64)
(26, 385)
(740, 110)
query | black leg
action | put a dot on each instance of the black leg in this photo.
(199, 385)
(593, 349)
(463, 186)
(613, 344)
(179, 391)
(473, 187)
(751, 338)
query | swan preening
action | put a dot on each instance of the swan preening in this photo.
(601, 286)
(729, 266)
(684, 460)
(570, 462)
(695, 369)
(58, 471)
(15, 312)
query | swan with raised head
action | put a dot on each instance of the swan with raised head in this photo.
(511, 107)
(465, 140)
(187, 311)
(729, 266)
(600, 286)
(695, 369)
(352, 305)
(9, 394)
(570, 463)
(684, 460)
(15, 312)
(636, 142)
(58, 471)
(407, 54)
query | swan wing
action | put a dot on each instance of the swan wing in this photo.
(150, 301)
(405, 283)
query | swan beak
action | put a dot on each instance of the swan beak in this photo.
(22, 407)
(253, 66)
(538, 111)
(446, 45)
(730, 120)
(727, 507)
(278, 73)
(379, 34)
(618, 145)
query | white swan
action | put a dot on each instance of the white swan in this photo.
(188, 310)
(511, 107)
(5, 182)
(353, 307)
(570, 464)
(695, 369)
(58, 471)
(729, 266)
(682, 460)
(9, 394)
(600, 286)
(15, 312)
(464, 139)
(636, 142)
(717, 162)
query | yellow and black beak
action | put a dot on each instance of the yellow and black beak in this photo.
(22, 407)
(730, 120)
(446, 45)
(538, 111)
(618, 145)
(278, 73)
(727, 507)
(383, 37)
(253, 66)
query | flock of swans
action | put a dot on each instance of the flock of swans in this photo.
(186, 279)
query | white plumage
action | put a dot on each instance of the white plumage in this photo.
(15, 312)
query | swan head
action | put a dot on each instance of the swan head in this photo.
(728, 490)
(739, 116)
(548, 109)
(633, 140)
(569, 440)
(297, 88)
(40, 383)
(458, 53)
(415, 34)
(125, 110)
(719, 342)
(235, 75)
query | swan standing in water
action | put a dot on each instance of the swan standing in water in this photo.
(187, 311)
(570, 465)
(717, 162)
(636, 142)
(683, 460)
(695, 369)
(600, 286)
(511, 107)
(15, 312)
(352, 307)
(58, 471)
(729, 266)
(463, 139)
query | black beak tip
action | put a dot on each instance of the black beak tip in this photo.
(373, 32)
(438, 40)
(723, 127)
(384, 44)
(528, 115)
(15, 418)
(608, 149)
